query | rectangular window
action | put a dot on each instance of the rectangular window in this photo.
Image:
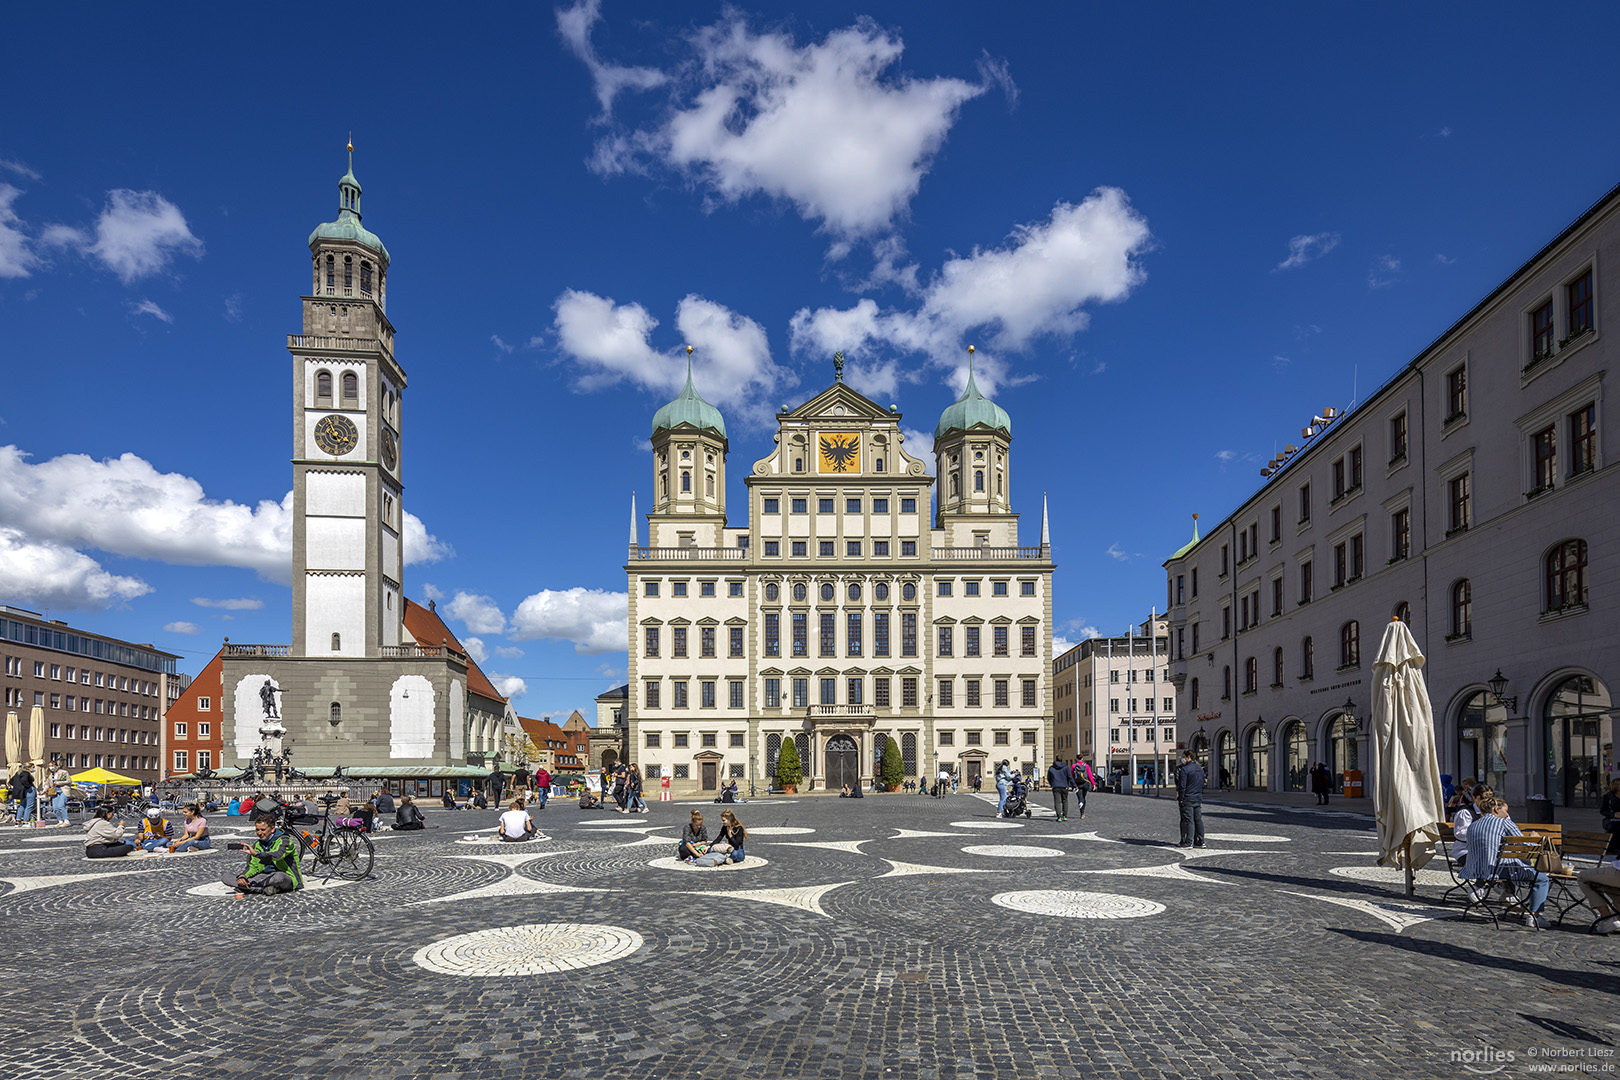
(908, 548)
(880, 506)
(852, 548)
(1545, 445)
(998, 588)
(998, 635)
(853, 691)
(945, 642)
(654, 740)
(1276, 597)
(1226, 559)
(908, 506)
(972, 689)
(1358, 556)
(682, 740)
(705, 588)
(1339, 561)
(880, 693)
(946, 693)
(1457, 393)
(1338, 478)
(1001, 693)
(1355, 467)
(908, 633)
(824, 506)
(773, 693)
(180, 760)
(773, 548)
(908, 692)
(678, 644)
(1307, 582)
(683, 772)
(947, 738)
(971, 644)
(735, 739)
(852, 634)
(1029, 693)
(825, 548)
(678, 698)
(773, 634)
(800, 506)
(1541, 331)
(1276, 527)
(179, 731)
(734, 588)
(1459, 503)
(852, 506)
(736, 641)
(801, 693)
(706, 693)
(1583, 440)
(677, 588)
(1027, 640)
(801, 634)
(880, 633)
(880, 549)
(772, 506)
(800, 549)
(649, 695)
(1400, 533)
(705, 641)
(1579, 294)
(1026, 588)
(1397, 437)
(970, 588)
(1304, 509)
(652, 641)
(203, 730)
(944, 588)
(829, 691)
(736, 694)
(975, 738)
(829, 634)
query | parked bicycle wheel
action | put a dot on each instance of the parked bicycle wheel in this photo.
(351, 854)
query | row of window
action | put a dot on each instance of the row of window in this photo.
(1564, 585)
(88, 734)
(945, 587)
(1147, 735)
(106, 761)
(323, 388)
(828, 549)
(773, 505)
(348, 276)
(205, 760)
(204, 730)
(798, 693)
(1166, 705)
(15, 698)
(83, 676)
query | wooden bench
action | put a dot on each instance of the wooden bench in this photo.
(1579, 851)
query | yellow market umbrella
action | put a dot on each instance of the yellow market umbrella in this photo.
(102, 776)
(13, 742)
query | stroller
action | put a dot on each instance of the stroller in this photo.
(1017, 798)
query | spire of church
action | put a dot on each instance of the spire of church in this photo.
(1046, 529)
(633, 536)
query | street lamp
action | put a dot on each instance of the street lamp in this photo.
(1498, 683)
(1351, 724)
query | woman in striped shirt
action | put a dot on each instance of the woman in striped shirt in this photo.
(1485, 837)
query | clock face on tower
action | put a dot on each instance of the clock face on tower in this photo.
(390, 454)
(336, 435)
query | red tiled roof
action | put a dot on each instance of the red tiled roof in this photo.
(426, 628)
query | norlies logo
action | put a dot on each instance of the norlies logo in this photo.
(1483, 1061)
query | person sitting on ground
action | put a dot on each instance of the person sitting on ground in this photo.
(104, 837)
(479, 801)
(1485, 838)
(728, 793)
(516, 825)
(155, 831)
(408, 818)
(272, 861)
(693, 835)
(448, 801)
(250, 802)
(234, 808)
(385, 801)
(842, 794)
(728, 843)
(196, 832)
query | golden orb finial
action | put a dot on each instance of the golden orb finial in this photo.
(689, 350)
(970, 350)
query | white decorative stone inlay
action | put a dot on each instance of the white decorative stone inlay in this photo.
(537, 949)
(492, 838)
(1391, 875)
(1248, 838)
(911, 834)
(46, 881)
(219, 889)
(752, 862)
(906, 869)
(1078, 905)
(513, 885)
(652, 841)
(851, 846)
(1174, 871)
(986, 825)
(1082, 836)
(807, 899)
(510, 859)
(1398, 916)
(1013, 851)
(1207, 853)
(780, 830)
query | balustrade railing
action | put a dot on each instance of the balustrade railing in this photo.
(258, 650)
(689, 554)
(1041, 551)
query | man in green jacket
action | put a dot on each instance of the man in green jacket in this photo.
(272, 862)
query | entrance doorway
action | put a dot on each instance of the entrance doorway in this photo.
(843, 762)
(711, 776)
(1482, 741)
(975, 773)
(1579, 737)
(1259, 754)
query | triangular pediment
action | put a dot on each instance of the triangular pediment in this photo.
(737, 621)
(708, 620)
(770, 671)
(856, 405)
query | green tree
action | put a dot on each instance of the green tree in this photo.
(894, 767)
(788, 773)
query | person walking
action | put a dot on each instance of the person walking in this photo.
(1321, 783)
(1004, 775)
(1082, 781)
(1058, 779)
(1190, 800)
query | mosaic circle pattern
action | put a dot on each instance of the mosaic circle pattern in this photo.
(1012, 851)
(780, 830)
(986, 825)
(752, 862)
(1071, 904)
(1391, 875)
(535, 949)
(1248, 838)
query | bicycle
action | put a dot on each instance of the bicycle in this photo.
(346, 850)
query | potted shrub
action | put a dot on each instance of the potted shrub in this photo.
(894, 768)
(788, 773)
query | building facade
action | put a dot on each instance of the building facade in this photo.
(840, 616)
(193, 738)
(1114, 704)
(359, 685)
(103, 699)
(1489, 530)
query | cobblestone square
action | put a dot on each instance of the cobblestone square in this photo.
(897, 936)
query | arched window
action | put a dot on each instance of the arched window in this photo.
(978, 479)
(1251, 675)
(708, 484)
(773, 750)
(1350, 644)
(348, 275)
(1226, 682)
(1259, 755)
(877, 465)
(1462, 609)
(1277, 666)
(908, 752)
(1195, 693)
(1307, 659)
(337, 642)
(351, 386)
(798, 464)
(799, 592)
(323, 385)
(1566, 575)
(337, 713)
(826, 590)
(1297, 765)
(802, 743)
(686, 481)
(998, 483)
(956, 485)
(771, 592)
(365, 278)
(330, 275)
(1403, 612)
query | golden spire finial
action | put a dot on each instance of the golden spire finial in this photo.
(689, 350)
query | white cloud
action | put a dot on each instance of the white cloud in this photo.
(832, 128)
(126, 507)
(432, 592)
(508, 652)
(17, 259)
(137, 235)
(1280, 363)
(1304, 248)
(920, 444)
(1444, 260)
(242, 603)
(475, 648)
(54, 576)
(20, 169)
(595, 620)
(233, 307)
(1386, 270)
(1035, 285)
(575, 25)
(501, 345)
(1117, 552)
(182, 628)
(610, 343)
(480, 614)
(1061, 644)
(147, 307)
(510, 686)
(1444, 133)
(1224, 456)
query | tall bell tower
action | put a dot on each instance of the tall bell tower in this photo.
(348, 513)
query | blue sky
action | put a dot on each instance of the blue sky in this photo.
(1173, 233)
